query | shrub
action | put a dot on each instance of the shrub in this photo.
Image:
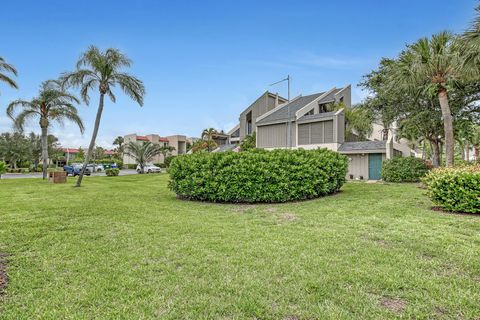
(257, 175)
(24, 170)
(3, 168)
(112, 172)
(168, 160)
(401, 169)
(131, 166)
(455, 189)
(160, 165)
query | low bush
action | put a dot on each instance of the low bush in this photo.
(24, 170)
(3, 168)
(112, 172)
(455, 189)
(168, 160)
(401, 169)
(160, 165)
(257, 175)
(131, 166)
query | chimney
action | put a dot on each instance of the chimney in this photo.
(276, 99)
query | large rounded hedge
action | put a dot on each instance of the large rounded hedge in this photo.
(401, 169)
(257, 175)
(455, 189)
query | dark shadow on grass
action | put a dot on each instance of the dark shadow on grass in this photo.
(260, 203)
(441, 210)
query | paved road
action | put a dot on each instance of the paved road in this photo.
(124, 172)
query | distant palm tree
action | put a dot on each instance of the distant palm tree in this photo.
(208, 135)
(432, 65)
(53, 104)
(166, 150)
(143, 153)
(102, 71)
(120, 143)
(8, 68)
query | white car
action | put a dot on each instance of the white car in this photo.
(149, 168)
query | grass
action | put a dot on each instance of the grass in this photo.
(126, 248)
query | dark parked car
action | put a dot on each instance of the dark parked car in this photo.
(75, 169)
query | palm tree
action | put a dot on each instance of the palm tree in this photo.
(53, 104)
(208, 135)
(143, 153)
(470, 46)
(166, 151)
(119, 142)
(432, 65)
(102, 71)
(8, 68)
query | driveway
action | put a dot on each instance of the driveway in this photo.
(124, 172)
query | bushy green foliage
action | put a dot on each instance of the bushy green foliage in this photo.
(401, 169)
(455, 188)
(249, 143)
(112, 172)
(3, 168)
(107, 162)
(131, 166)
(168, 160)
(258, 175)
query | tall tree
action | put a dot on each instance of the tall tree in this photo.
(5, 70)
(53, 104)
(14, 148)
(470, 46)
(102, 70)
(166, 151)
(208, 135)
(432, 65)
(119, 143)
(143, 153)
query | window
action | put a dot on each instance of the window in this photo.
(249, 126)
(309, 113)
(322, 108)
(341, 99)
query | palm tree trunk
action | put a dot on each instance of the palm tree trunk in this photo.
(447, 126)
(467, 150)
(92, 141)
(435, 153)
(44, 148)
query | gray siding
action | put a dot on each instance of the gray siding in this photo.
(272, 136)
(358, 166)
(262, 105)
(315, 133)
(340, 127)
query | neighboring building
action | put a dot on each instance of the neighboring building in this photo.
(306, 122)
(179, 142)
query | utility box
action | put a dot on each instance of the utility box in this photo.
(57, 177)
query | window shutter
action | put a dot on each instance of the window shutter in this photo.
(303, 134)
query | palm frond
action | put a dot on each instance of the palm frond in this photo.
(4, 66)
(132, 86)
(8, 80)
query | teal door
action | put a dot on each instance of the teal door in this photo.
(374, 166)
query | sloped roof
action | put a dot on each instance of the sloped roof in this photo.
(282, 113)
(142, 138)
(317, 116)
(70, 150)
(362, 146)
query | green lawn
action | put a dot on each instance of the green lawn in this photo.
(126, 248)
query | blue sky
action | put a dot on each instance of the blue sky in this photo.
(203, 62)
